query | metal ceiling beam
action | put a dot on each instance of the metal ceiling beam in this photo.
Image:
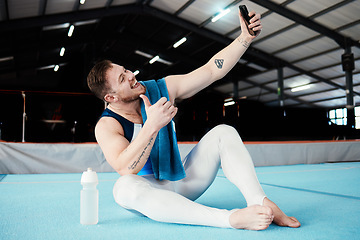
(291, 26)
(145, 2)
(298, 96)
(146, 46)
(316, 55)
(327, 99)
(310, 74)
(6, 10)
(276, 62)
(42, 7)
(298, 44)
(271, 91)
(343, 41)
(108, 3)
(287, 96)
(47, 20)
(76, 6)
(186, 5)
(209, 34)
(343, 75)
(75, 16)
(315, 82)
(311, 39)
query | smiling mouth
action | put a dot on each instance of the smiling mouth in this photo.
(136, 84)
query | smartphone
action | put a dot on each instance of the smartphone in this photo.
(245, 14)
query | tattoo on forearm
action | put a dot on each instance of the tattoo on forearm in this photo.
(219, 63)
(243, 42)
(134, 164)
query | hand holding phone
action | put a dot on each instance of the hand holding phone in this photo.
(245, 14)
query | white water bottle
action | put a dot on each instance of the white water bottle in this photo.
(89, 198)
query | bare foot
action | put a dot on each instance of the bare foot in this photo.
(252, 218)
(280, 217)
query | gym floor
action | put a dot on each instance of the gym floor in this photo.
(324, 197)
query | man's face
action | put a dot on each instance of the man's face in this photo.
(123, 84)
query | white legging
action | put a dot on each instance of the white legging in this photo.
(173, 202)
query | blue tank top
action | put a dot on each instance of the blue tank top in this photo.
(130, 131)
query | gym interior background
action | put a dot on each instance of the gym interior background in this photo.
(48, 47)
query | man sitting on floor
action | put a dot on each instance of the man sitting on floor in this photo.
(137, 137)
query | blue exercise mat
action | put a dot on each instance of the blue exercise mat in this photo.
(324, 197)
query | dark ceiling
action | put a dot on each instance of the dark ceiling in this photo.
(302, 44)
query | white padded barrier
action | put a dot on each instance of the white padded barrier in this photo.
(23, 158)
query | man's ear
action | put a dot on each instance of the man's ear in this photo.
(110, 98)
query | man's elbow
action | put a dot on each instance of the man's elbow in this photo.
(126, 171)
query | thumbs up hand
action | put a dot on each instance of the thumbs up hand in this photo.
(159, 114)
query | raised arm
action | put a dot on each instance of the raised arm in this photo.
(185, 86)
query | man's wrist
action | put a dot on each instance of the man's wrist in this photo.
(150, 129)
(244, 41)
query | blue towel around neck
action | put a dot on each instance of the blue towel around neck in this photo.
(165, 156)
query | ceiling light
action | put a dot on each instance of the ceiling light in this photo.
(178, 43)
(45, 67)
(164, 61)
(220, 15)
(138, 52)
(136, 72)
(82, 1)
(71, 30)
(86, 22)
(62, 51)
(229, 103)
(51, 66)
(300, 88)
(66, 25)
(242, 61)
(56, 68)
(57, 26)
(5, 59)
(154, 59)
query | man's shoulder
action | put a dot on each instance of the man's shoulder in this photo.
(108, 125)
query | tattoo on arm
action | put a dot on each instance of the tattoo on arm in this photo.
(134, 164)
(244, 42)
(219, 63)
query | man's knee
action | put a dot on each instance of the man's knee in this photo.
(128, 189)
(225, 130)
